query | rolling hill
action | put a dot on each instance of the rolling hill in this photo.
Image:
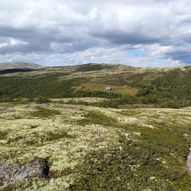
(161, 87)
(96, 127)
(5, 66)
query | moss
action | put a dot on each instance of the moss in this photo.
(44, 112)
(3, 135)
(51, 136)
(38, 138)
(97, 117)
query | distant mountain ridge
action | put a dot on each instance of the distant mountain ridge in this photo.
(20, 65)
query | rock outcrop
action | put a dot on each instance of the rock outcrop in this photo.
(13, 173)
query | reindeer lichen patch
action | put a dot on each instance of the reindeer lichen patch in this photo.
(87, 144)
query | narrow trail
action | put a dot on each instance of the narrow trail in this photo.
(188, 162)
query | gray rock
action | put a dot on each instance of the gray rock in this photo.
(99, 139)
(107, 89)
(13, 173)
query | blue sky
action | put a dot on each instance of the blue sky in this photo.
(135, 53)
(62, 32)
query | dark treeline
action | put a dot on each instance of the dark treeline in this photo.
(49, 86)
(10, 71)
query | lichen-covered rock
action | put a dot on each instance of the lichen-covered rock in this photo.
(13, 173)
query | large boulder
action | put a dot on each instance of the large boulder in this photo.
(13, 173)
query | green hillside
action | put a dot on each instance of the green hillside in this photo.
(127, 85)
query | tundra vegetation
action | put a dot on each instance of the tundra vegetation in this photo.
(134, 137)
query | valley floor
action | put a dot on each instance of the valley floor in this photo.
(94, 148)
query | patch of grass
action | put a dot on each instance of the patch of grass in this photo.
(97, 117)
(3, 135)
(51, 136)
(121, 90)
(40, 138)
(45, 113)
(17, 116)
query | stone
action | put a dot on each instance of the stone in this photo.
(108, 89)
(99, 139)
(13, 173)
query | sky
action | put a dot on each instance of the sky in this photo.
(155, 33)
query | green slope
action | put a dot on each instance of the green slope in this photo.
(161, 87)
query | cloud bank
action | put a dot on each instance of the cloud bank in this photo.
(61, 32)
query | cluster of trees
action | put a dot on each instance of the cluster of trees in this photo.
(49, 86)
(170, 90)
(144, 102)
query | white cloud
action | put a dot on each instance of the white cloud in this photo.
(98, 30)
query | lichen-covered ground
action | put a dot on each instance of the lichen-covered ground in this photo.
(94, 148)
